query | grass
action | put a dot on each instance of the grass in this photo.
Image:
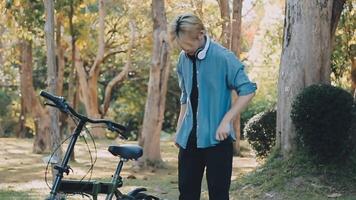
(22, 172)
(297, 178)
(10, 194)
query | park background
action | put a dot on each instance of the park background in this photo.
(113, 59)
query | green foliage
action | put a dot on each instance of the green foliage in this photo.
(345, 46)
(28, 17)
(322, 117)
(260, 132)
(8, 121)
(258, 105)
(5, 102)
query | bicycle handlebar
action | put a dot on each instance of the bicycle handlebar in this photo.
(61, 104)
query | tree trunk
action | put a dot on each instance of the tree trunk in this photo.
(231, 34)
(226, 23)
(237, 127)
(60, 71)
(21, 130)
(157, 88)
(60, 57)
(52, 83)
(89, 90)
(307, 43)
(2, 29)
(88, 83)
(235, 47)
(72, 91)
(31, 102)
(353, 77)
(236, 27)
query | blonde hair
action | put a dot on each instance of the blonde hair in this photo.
(185, 23)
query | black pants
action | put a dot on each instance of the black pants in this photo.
(191, 164)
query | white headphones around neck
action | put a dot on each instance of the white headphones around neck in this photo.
(201, 52)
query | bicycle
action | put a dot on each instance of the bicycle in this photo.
(94, 188)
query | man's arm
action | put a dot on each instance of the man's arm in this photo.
(180, 119)
(223, 130)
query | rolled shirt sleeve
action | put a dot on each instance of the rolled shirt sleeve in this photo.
(237, 78)
(183, 96)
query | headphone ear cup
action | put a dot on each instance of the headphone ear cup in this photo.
(201, 52)
(198, 53)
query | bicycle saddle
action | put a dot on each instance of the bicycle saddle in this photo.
(126, 151)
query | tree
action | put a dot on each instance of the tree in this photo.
(89, 82)
(31, 101)
(307, 45)
(27, 18)
(235, 47)
(231, 39)
(157, 88)
(226, 23)
(88, 79)
(52, 78)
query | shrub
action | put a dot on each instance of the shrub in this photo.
(256, 106)
(260, 132)
(322, 116)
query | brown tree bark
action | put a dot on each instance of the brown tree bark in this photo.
(353, 77)
(21, 129)
(226, 23)
(31, 102)
(235, 47)
(73, 80)
(307, 44)
(157, 88)
(236, 27)
(231, 36)
(2, 29)
(60, 56)
(89, 82)
(60, 49)
(52, 83)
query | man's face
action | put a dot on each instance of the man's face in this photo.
(189, 43)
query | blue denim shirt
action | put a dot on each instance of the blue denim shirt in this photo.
(218, 74)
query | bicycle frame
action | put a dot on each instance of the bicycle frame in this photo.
(89, 187)
(92, 188)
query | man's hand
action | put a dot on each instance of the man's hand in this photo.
(223, 131)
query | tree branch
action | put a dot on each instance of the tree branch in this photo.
(122, 75)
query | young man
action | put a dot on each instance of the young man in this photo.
(207, 74)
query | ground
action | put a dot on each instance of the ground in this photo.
(22, 172)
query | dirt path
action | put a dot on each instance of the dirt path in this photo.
(21, 170)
